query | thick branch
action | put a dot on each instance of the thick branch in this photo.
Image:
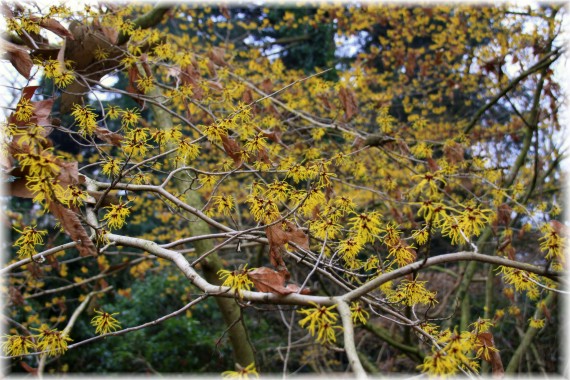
(307, 300)
(349, 346)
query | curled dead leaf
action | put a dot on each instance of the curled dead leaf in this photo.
(349, 103)
(233, 150)
(268, 280)
(453, 152)
(72, 226)
(108, 136)
(19, 58)
(504, 214)
(280, 234)
(53, 26)
(217, 56)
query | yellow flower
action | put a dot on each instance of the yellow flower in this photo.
(327, 332)
(101, 53)
(413, 292)
(75, 195)
(116, 215)
(317, 315)
(42, 164)
(64, 78)
(552, 243)
(30, 237)
(473, 220)
(264, 210)
(322, 228)
(349, 248)
(53, 341)
(134, 147)
(145, 84)
(224, 204)
(187, 151)
(358, 313)
(439, 364)
(536, 323)
(24, 110)
(31, 136)
(403, 253)
(431, 180)
(242, 373)
(129, 117)
(481, 325)
(236, 280)
(366, 226)
(15, 345)
(519, 278)
(256, 144)
(104, 322)
(85, 118)
(214, 132)
(113, 112)
(112, 167)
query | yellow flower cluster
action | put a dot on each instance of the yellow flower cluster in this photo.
(412, 292)
(236, 280)
(52, 341)
(85, 118)
(460, 350)
(242, 373)
(552, 243)
(322, 323)
(116, 215)
(105, 322)
(30, 236)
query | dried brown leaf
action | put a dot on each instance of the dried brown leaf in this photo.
(68, 174)
(28, 91)
(280, 234)
(18, 188)
(190, 75)
(61, 55)
(267, 86)
(53, 26)
(212, 68)
(349, 103)
(268, 280)
(233, 150)
(504, 214)
(73, 227)
(217, 56)
(453, 152)
(132, 87)
(19, 58)
(247, 96)
(546, 311)
(41, 115)
(559, 228)
(216, 86)
(108, 136)
(432, 164)
(275, 135)
(111, 34)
